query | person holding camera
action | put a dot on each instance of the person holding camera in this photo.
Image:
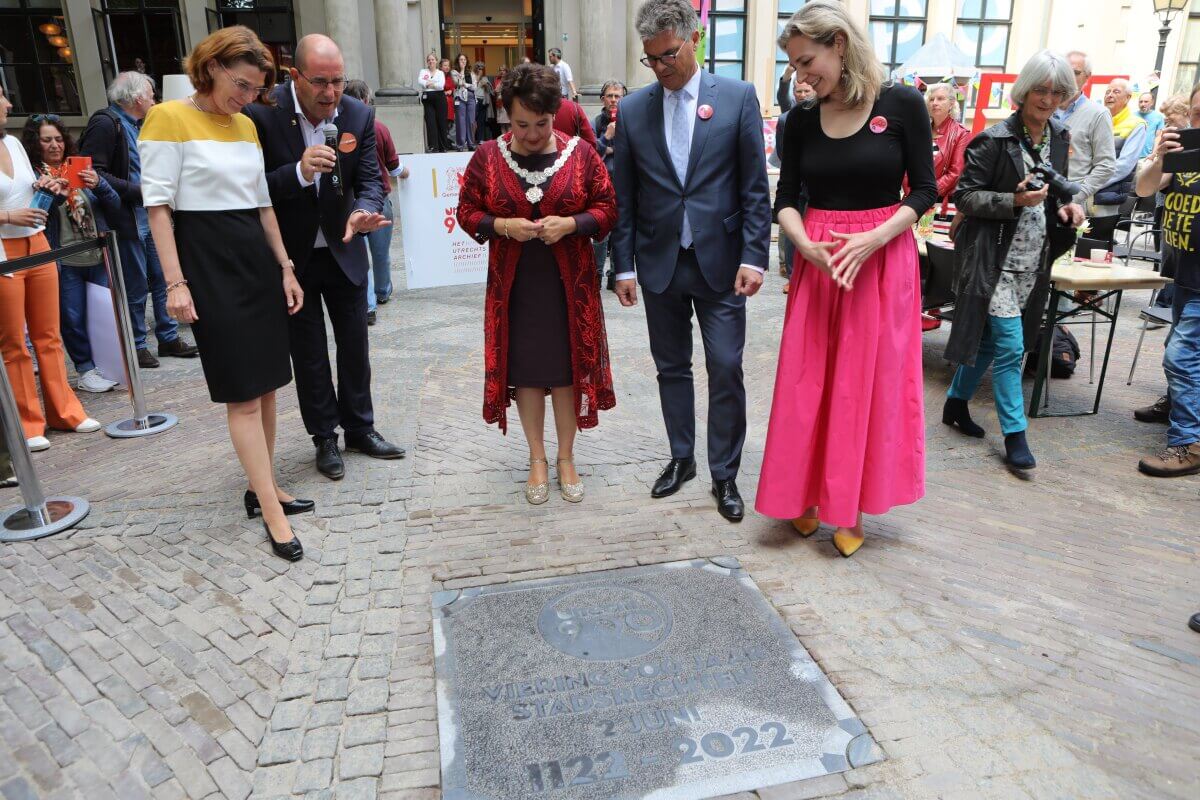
(1181, 259)
(1014, 224)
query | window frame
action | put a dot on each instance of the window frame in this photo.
(715, 14)
(982, 22)
(110, 64)
(24, 12)
(225, 15)
(897, 19)
(781, 59)
(1193, 65)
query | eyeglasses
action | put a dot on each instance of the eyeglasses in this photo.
(666, 58)
(321, 84)
(1042, 91)
(53, 119)
(242, 86)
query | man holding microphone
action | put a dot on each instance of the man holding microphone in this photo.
(322, 172)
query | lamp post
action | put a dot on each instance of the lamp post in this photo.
(1166, 11)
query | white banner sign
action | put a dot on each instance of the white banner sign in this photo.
(436, 250)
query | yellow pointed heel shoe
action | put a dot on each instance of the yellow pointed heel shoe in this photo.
(806, 526)
(846, 543)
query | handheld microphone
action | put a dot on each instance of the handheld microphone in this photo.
(335, 177)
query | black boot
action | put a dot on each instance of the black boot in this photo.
(1019, 456)
(956, 413)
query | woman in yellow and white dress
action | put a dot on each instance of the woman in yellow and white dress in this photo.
(227, 272)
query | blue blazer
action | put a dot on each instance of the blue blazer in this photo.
(300, 209)
(726, 191)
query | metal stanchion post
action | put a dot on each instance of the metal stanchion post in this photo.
(142, 423)
(40, 516)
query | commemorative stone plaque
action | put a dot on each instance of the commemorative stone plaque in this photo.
(675, 681)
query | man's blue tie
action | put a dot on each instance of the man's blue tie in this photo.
(680, 151)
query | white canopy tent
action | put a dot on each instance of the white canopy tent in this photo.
(938, 58)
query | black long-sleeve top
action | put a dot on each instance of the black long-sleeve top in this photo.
(863, 170)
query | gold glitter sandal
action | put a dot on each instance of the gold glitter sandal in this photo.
(537, 493)
(571, 492)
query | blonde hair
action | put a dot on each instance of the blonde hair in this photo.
(822, 20)
(1176, 105)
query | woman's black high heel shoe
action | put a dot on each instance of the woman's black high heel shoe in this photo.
(294, 506)
(288, 551)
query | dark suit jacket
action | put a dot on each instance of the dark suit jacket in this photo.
(299, 208)
(104, 140)
(726, 192)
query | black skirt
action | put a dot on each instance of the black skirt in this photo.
(237, 288)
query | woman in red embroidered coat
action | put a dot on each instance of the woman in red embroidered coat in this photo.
(540, 198)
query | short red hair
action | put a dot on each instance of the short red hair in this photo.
(227, 46)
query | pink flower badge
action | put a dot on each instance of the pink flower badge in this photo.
(705, 111)
(878, 124)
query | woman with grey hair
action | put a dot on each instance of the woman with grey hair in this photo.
(949, 139)
(1012, 229)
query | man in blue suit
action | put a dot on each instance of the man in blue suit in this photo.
(695, 218)
(322, 227)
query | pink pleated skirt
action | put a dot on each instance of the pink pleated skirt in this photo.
(847, 429)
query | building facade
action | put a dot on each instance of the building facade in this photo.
(57, 55)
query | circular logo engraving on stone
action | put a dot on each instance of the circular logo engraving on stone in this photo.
(605, 623)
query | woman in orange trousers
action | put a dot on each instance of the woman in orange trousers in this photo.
(29, 299)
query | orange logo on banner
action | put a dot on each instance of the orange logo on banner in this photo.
(348, 143)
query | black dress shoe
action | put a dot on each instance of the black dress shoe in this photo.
(1158, 411)
(178, 348)
(289, 551)
(729, 501)
(293, 506)
(329, 459)
(373, 445)
(370, 318)
(677, 472)
(1194, 622)
(146, 359)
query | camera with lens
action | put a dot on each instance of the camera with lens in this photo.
(1061, 189)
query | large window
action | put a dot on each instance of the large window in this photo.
(726, 53)
(36, 58)
(1189, 59)
(140, 35)
(784, 11)
(897, 29)
(272, 20)
(982, 30)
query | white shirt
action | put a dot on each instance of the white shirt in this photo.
(431, 80)
(17, 192)
(565, 77)
(687, 105)
(312, 135)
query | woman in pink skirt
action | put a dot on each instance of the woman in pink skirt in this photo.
(847, 430)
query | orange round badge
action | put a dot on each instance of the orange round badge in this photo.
(348, 143)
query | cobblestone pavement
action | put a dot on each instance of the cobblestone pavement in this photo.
(1005, 637)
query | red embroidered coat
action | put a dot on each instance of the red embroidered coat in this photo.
(491, 190)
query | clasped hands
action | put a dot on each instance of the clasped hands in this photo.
(842, 258)
(549, 229)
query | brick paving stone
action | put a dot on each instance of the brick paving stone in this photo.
(313, 776)
(320, 743)
(359, 762)
(279, 748)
